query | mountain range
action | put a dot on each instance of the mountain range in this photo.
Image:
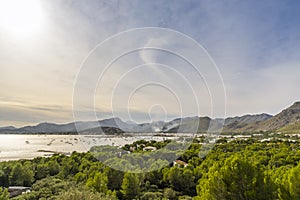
(287, 120)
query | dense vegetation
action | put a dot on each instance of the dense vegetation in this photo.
(241, 169)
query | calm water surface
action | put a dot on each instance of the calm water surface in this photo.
(14, 147)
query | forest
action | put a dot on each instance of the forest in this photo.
(240, 169)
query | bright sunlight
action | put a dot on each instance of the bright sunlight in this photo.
(21, 17)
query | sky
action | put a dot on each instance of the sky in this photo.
(45, 48)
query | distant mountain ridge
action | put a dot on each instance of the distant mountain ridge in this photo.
(248, 118)
(188, 124)
(288, 119)
(238, 123)
(7, 128)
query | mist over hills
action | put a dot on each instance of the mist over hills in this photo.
(287, 120)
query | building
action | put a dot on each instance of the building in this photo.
(149, 148)
(17, 190)
(180, 163)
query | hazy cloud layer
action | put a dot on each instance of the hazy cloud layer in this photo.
(255, 45)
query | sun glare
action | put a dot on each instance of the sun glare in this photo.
(21, 17)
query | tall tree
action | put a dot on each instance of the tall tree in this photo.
(293, 182)
(237, 179)
(130, 186)
(181, 179)
(22, 175)
(98, 182)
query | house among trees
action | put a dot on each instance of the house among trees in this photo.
(179, 163)
(17, 190)
(149, 148)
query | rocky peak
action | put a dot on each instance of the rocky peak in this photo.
(296, 105)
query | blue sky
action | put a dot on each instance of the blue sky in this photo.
(255, 45)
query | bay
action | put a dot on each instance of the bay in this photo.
(18, 146)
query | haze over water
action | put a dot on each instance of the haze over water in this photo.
(14, 147)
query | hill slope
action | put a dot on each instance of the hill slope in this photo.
(286, 119)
